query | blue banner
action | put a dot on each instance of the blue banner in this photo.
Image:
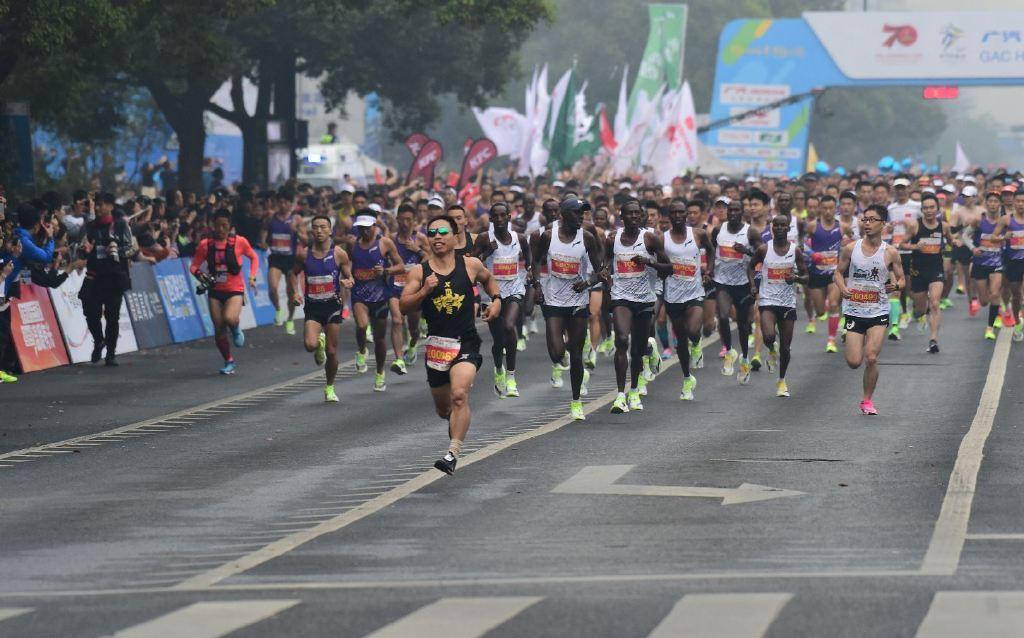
(200, 300)
(147, 311)
(175, 292)
(262, 309)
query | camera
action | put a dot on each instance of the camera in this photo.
(205, 283)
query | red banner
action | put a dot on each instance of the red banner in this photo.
(466, 146)
(480, 152)
(35, 332)
(415, 142)
(426, 160)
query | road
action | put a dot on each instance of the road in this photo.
(159, 499)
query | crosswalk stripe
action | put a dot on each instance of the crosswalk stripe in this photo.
(11, 612)
(456, 617)
(207, 620)
(721, 616)
(980, 614)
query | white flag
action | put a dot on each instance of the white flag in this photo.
(620, 127)
(675, 148)
(503, 126)
(962, 164)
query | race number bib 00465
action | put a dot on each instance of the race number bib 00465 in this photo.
(441, 352)
(864, 296)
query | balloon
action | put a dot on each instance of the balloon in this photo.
(821, 167)
(907, 162)
(935, 169)
(886, 163)
(840, 171)
(923, 167)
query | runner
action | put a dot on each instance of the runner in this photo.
(928, 239)
(865, 305)
(963, 214)
(411, 246)
(574, 263)
(326, 270)
(696, 218)
(735, 242)
(222, 254)
(825, 235)
(632, 250)
(783, 265)
(986, 244)
(502, 253)
(686, 247)
(283, 234)
(442, 289)
(374, 259)
(901, 211)
(1013, 262)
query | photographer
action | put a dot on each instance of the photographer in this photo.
(108, 250)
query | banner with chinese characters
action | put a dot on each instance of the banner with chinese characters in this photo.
(35, 332)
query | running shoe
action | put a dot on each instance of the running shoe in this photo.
(972, 310)
(781, 389)
(823, 316)
(933, 346)
(755, 362)
(990, 333)
(329, 395)
(361, 361)
(379, 385)
(238, 336)
(521, 344)
(867, 408)
(289, 327)
(619, 405)
(583, 386)
(556, 376)
(7, 378)
(722, 352)
(904, 320)
(229, 368)
(641, 386)
(696, 356)
(633, 398)
(511, 389)
(894, 333)
(1008, 319)
(534, 326)
(607, 346)
(750, 339)
(500, 381)
(369, 332)
(946, 304)
(830, 346)
(410, 355)
(772, 362)
(398, 366)
(744, 375)
(576, 411)
(666, 354)
(811, 328)
(922, 324)
(590, 361)
(654, 358)
(446, 463)
(279, 317)
(563, 365)
(729, 363)
(1018, 331)
(998, 322)
(959, 289)
(320, 354)
(346, 313)
(689, 383)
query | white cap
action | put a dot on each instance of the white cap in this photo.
(348, 188)
(558, 183)
(375, 207)
(969, 179)
(723, 200)
(435, 201)
(516, 188)
(970, 191)
(901, 181)
(598, 185)
(623, 185)
(364, 220)
(666, 191)
(949, 188)
(750, 179)
(937, 182)
(928, 189)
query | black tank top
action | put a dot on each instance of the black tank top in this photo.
(467, 249)
(928, 256)
(449, 308)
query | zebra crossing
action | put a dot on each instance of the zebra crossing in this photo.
(981, 614)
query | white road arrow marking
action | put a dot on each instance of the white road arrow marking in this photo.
(600, 479)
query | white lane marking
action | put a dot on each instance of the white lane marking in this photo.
(457, 617)
(943, 555)
(207, 620)
(600, 479)
(1005, 536)
(13, 612)
(376, 504)
(980, 614)
(721, 615)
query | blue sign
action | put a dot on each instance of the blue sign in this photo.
(200, 300)
(146, 309)
(262, 308)
(180, 306)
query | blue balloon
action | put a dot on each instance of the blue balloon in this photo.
(886, 163)
(907, 162)
(935, 169)
(821, 167)
(840, 171)
(923, 167)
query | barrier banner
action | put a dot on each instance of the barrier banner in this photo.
(147, 312)
(262, 308)
(182, 313)
(35, 332)
(68, 309)
(200, 300)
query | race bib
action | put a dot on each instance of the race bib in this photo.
(728, 252)
(826, 259)
(864, 296)
(625, 267)
(778, 274)
(399, 279)
(898, 237)
(221, 275)
(929, 245)
(1017, 239)
(505, 268)
(364, 274)
(565, 267)
(281, 243)
(441, 352)
(320, 287)
(685, 269)
(987, 243)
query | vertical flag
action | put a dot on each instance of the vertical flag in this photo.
(662, 63)
(962, 164)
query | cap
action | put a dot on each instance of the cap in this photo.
(937, 182)
(970, 191)
(365, 217)
(901, 181)
(723, 200)
(949, 188)
(928, 189)
(750, 179)
(969, 179)
(598, 185)
(1009, 188)
(666, 191)
(375, 207)
(516, 188)
(451, 188)
(574, 204)
(723, 178)
(558, 183)
(348, 188)
(436, 202)
(625, 186)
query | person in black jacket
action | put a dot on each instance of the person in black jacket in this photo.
(108, 248)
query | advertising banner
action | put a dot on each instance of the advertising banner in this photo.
(423, 165)
(35, 332)
(68, 309)
(662, 63)
(262, 308)
(478, 153)
(182, 314)
(145, 308)
(200, 300)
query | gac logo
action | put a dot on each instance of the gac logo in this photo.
(905, 34)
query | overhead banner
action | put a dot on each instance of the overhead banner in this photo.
(262, 308)
(77, 338)
(145, 308)
(35, 332)
(762, 61)
(182, 314)
(200, 300)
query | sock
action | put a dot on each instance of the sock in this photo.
(454, 447)
(511, 374)
(663, 335)
(993, 312)
(894, 313)
(224, 346)
(833, 325)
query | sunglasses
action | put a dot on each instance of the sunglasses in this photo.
(870, 219)
(434, 232)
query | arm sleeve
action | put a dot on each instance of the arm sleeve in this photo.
(245, 247)
(199, 257)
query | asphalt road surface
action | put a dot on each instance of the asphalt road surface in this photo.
(159, 499)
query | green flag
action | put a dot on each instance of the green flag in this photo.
(586, 139)
(663, 56)
(560, 143)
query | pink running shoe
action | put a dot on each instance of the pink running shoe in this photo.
(972, 310)
(721, 353)
(868, 408)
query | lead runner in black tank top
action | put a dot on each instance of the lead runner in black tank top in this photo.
(442, 288)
